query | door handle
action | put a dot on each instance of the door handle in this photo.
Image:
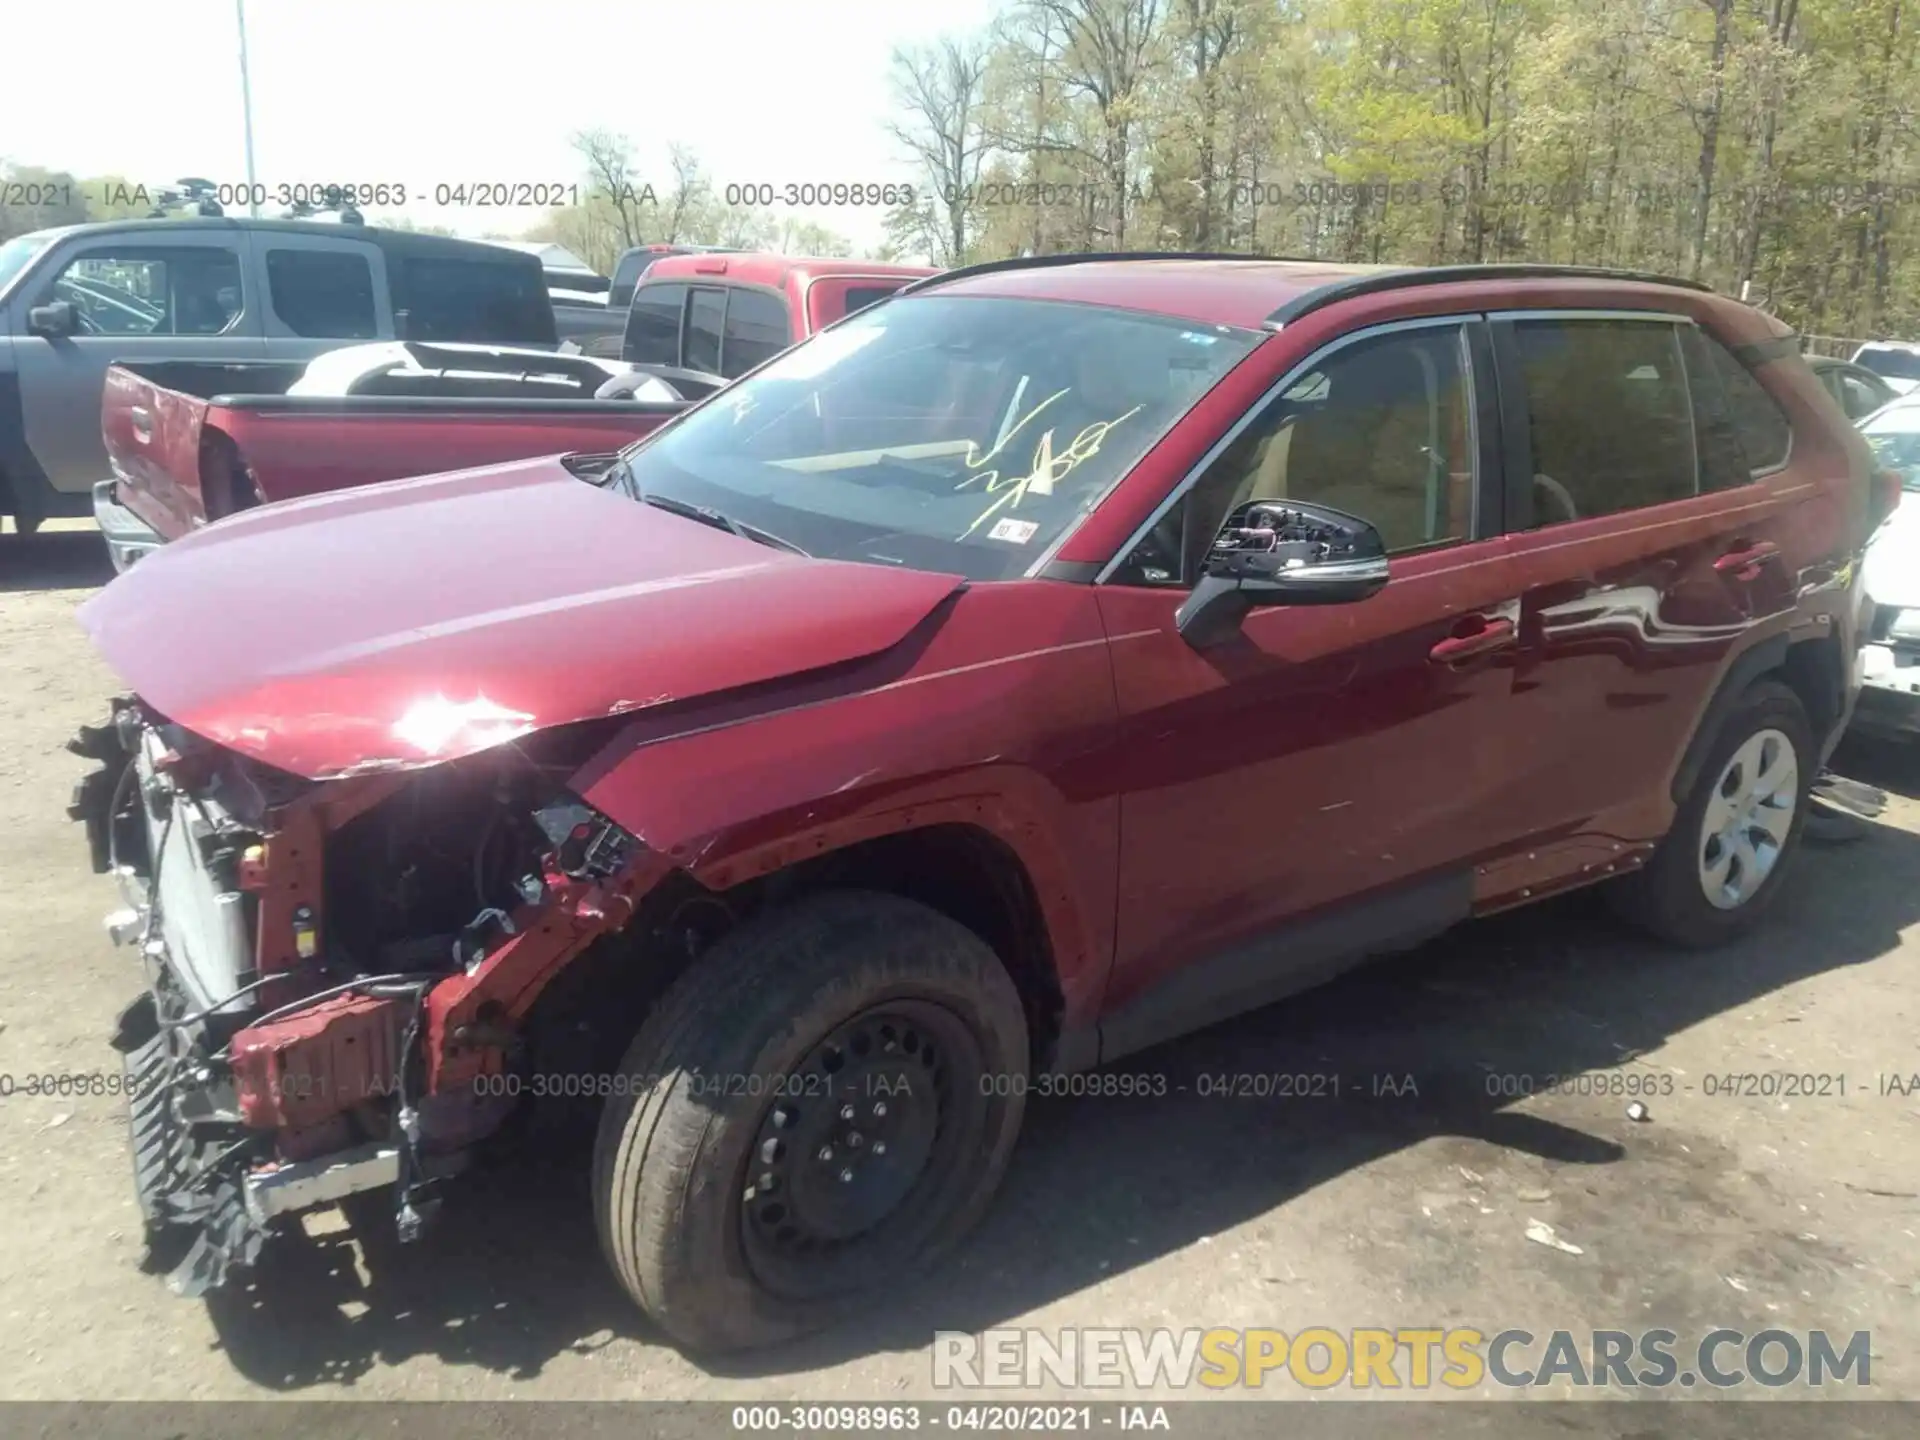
(1744, 564)
(142, 422)
(1495, 634)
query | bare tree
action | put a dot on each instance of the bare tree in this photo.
(939, 88)
(610, 172)
(1109, 45)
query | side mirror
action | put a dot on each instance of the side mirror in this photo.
(1275, 552)
(53, 321)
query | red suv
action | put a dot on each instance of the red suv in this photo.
(1053, 658)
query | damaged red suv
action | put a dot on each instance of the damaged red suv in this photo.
(1056, 657)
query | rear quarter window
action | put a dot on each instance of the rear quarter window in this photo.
(1758, 421)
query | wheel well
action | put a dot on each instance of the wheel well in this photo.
(583, 1020)
(1813, 670)
(225, 488)
(969, 875)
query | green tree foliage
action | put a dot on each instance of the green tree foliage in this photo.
(1771, 147)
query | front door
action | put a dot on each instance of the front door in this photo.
(186, 296)
(1311, 789)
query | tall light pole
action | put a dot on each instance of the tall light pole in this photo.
(246, 105)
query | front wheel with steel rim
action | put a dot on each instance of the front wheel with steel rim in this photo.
(824, 1103)
(1720, 865)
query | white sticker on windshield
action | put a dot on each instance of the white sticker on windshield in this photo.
(1018, 531)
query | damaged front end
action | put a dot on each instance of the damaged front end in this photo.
(333, 968)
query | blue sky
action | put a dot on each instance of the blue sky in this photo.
(421, 92)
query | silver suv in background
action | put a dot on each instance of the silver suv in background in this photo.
(74, 300)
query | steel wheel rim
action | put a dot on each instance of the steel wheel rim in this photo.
(909, 1073)
(1749, 816)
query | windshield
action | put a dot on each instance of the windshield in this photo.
(1895, 364)
(939, 432)
(17, 253)
(1895, 438)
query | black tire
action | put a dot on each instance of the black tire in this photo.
(1665, 897)
(718, 1057)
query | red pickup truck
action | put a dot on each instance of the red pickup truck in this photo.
(191, 442)
(726, 313)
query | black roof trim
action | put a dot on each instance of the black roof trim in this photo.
(1044, 262)
(1325, 295)
(402, 241)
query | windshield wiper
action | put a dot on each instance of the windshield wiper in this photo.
(707, 515)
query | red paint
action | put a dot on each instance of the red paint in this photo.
(172, 468)
(1165, 802)
(519, 586)
(815, 291)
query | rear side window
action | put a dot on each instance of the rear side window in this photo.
(323, 294)
(475, 301)
(756, 330)
(705, 318)
(1609, 416)
(1858, 397)
(653, 325)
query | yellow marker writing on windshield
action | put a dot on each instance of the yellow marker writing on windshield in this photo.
(1048, 469)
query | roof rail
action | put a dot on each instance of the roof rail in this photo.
(1041, 262)
(1324, 295)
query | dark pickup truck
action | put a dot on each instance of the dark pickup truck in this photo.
(190, 442)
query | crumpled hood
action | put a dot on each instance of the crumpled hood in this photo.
(1892, 567)
(410, 623)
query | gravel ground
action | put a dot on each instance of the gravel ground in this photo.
(1391, 1209)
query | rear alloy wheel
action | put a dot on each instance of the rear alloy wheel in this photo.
(1748, 819)
(1721, 863)
(822, 1104)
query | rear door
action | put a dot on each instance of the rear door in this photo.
(189, 296)
(756, 329)
(1317, 785)
(1649, 539)
(654, 325)
(321, 293)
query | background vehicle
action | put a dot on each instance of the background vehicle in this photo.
(1858, 391)
(1058, 657)
(74, 300)
(634, 262)
(191, 442)
(1894, 361)
(581, 308)
(1890, 662)
(726, 313)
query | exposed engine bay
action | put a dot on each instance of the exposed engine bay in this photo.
(330, 966)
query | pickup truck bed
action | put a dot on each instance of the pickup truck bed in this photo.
(193, 441)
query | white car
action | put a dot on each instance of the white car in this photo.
(1890, 660)
(1895, 361)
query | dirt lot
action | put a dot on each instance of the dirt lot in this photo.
(1397, 1209)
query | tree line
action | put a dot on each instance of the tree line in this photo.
(1766, 146)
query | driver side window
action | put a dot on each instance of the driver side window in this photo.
(175, 291)
(1380, 428)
